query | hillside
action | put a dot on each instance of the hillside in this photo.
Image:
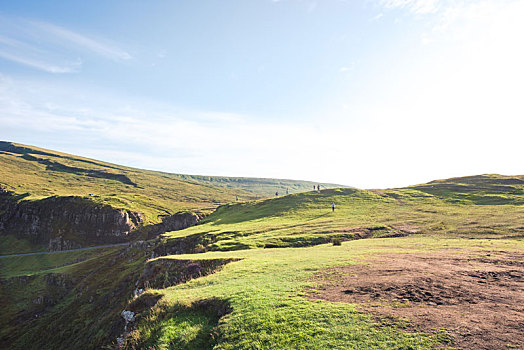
(259, 274)
(42, 173)
(37, 173)
(480, 189)
(260, 186)
(305, 219)
(62, 201)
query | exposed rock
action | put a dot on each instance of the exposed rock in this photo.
(178, 221)
(128, 316)
(183, 245)
(66, 222)
(163, 273)
(58, 280)
(137, 292)
(59, 243)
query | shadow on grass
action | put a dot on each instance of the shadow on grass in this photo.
(182, 327)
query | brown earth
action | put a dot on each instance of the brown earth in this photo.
(476, 297)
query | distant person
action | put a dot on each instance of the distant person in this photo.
(314, 187)
(276, 194)
(333, 206)
(287, 190)
(257, 195)
(237, 198)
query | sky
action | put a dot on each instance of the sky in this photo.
(366, 93)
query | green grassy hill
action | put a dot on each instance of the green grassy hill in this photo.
(267, 289)
(260, 186)
(243, 277)
(32, 180)
(306, 218)
(39, 173)
(480, 189)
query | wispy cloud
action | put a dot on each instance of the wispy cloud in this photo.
(456, 19)
(414, 6)
(51, 48)
(348, 68)
(377, 17)
(41, 65)
(20, 52)
(81, 41)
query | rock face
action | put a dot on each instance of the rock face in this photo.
(65, 222)
(162, 273)
(175, 222)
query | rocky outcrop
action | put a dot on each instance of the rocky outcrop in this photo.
(175, 222)
(59, 243)
(162, 273)
(65, 222)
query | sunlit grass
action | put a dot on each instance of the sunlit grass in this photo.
(267, 293)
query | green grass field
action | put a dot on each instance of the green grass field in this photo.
(267, 288)
(267, 292)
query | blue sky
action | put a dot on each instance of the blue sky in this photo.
(371, 93)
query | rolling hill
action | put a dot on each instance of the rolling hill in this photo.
(62, 201)
(427, 266)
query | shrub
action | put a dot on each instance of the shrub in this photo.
(336, 241)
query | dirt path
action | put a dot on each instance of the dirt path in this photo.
(476, 297)
(66, 251)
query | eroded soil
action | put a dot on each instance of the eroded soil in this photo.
(476, 297)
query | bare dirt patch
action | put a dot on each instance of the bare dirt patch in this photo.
(476, 297)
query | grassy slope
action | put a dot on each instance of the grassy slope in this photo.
(266, 290)
(267, 293)
(481, 189)
(12, 245)
(40, 173)
(306, 218)
(83, 300)
(29, 265)
(261, 186)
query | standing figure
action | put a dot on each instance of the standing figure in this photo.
(276, 194)
(333, 206)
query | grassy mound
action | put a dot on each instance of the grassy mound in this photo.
(307, 219)
(489, 189)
